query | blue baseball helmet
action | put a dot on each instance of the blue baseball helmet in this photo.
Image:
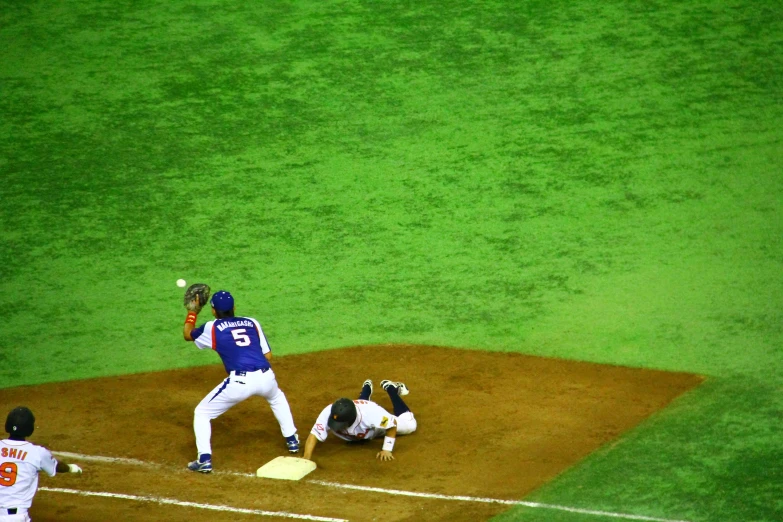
(222, 301)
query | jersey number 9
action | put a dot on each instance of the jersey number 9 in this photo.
(7, 474)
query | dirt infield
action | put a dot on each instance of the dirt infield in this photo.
(493, 425)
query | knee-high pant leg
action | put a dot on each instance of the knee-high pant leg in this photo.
(225, 395)
(280, 407)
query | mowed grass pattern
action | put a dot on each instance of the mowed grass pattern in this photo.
(594, 182)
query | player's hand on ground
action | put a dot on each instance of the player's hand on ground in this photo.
(73, 468)
(384, 455)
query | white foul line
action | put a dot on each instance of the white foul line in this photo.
(462, 498)
(493, 501)
(97, 458)
(211, 507)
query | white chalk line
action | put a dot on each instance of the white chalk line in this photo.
(493, 501)
(399, 492)
(97, 458)
(182, 503)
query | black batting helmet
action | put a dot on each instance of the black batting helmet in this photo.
(20, 422)
(343, 414)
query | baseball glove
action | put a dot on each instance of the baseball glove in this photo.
(196, 296)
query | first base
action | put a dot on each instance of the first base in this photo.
(286, 468)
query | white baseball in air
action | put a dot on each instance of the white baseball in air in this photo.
(181, 283)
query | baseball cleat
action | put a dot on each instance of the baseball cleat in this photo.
(293, 443)
(367, 384)
(401, 388)
(201, 467)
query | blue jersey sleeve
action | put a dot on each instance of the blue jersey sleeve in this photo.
(196, 332)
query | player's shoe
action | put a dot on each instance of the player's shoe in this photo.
(293, 443)
(201, 467)
(401, 388)
(367, 384)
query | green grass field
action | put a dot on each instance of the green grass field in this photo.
(593, 182)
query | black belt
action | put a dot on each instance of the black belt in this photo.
(242, 374)
(12, 511)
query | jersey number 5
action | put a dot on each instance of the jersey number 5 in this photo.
(240, 337)
(7, 474)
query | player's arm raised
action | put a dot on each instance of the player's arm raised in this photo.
(196, 296)
(388, 444)
(190, 324)
(190, 320)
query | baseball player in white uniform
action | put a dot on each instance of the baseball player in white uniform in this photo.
(363, 419)
(20, 462)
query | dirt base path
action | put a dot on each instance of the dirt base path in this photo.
(493, 425)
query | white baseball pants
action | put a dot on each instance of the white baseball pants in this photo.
(406, 423)
(233, 390)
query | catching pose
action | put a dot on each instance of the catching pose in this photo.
(242, 346)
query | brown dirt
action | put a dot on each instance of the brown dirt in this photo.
(495, 425)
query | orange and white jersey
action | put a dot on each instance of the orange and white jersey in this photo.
(371, 421)
(20, 462)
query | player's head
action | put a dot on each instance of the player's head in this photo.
(343, 414)
(223, 304)
(20, 423)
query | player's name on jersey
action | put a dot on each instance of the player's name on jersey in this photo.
(13, 453)
(232, 324)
